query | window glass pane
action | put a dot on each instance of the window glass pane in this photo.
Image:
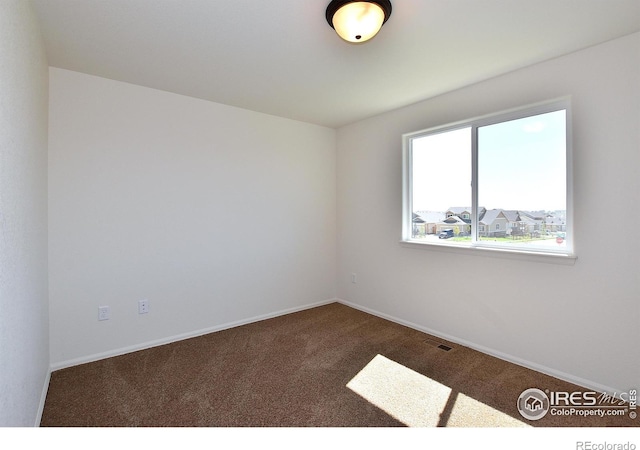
(522, 182)
(441, 188)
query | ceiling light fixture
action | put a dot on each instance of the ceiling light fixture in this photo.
(358, 21)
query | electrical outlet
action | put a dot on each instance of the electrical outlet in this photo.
(143, 306)
(104, 313)
(354, 278)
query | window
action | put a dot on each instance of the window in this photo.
(499, 182)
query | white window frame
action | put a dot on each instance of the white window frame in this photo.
(553, 255)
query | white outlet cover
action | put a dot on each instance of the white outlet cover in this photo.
(104, 313)
(143, 306)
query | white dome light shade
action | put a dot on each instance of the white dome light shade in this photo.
(357, 21)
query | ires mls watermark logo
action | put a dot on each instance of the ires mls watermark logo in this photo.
(534, 404)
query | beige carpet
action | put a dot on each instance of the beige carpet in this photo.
(331, 366)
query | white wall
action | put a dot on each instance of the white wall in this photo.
(213, 213)
(24, 323)
(575, 321)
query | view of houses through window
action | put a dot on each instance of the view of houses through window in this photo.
(537, 228)
(520, 182)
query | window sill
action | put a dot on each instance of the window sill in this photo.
(522, 255)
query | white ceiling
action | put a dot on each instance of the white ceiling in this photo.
(281, 57)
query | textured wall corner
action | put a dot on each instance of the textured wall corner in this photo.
(24, 317)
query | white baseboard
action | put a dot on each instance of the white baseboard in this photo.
(180, 337)
(43, 398)
(587, 384)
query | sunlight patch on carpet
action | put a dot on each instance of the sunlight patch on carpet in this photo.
(418, 401)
